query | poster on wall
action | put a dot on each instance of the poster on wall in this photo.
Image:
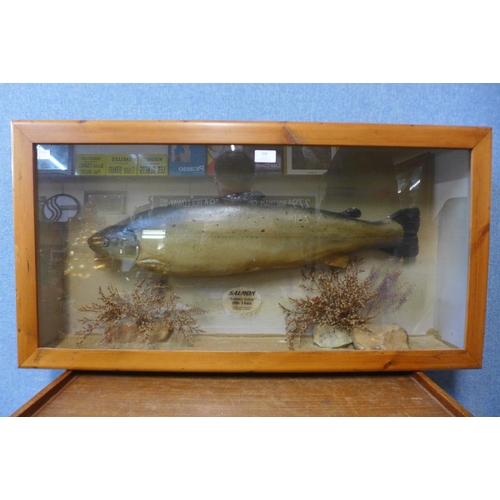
(187, 160)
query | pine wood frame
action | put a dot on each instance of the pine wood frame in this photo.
(25, 134)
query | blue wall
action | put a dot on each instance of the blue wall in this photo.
(454, 104)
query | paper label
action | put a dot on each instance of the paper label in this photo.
(265, 156)
(241, 300)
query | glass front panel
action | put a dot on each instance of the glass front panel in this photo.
(238, 247)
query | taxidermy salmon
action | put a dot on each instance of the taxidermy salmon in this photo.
(238, 237)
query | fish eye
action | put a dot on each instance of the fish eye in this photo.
(105, 242)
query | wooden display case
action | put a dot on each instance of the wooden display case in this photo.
(76, 182)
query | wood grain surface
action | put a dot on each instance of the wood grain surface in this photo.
(31, 353)
(245, 132)
(215, 395)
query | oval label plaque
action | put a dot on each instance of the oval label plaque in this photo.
(241, 300)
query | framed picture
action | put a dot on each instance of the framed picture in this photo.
(309, 160)
(105, 202)
(377, 260)
(266, 158)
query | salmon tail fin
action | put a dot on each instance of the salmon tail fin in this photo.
(409, 218)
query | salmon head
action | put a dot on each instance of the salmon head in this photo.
(115, 242)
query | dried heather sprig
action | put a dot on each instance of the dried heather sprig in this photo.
(344, 301)
(390, 293)
(146, 308)
(337, 301)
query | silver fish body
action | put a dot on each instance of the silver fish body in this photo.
(231, 238)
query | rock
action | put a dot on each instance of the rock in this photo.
(160, 333)
(123, 331)
(435, 333)
(380, 338)
(330, 338)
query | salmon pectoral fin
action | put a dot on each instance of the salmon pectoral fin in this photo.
(337, 260)
(154, 265)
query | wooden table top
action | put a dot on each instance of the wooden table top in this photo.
(234, 395)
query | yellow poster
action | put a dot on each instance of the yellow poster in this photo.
(121, 164)
(90, 164)
(152, 164)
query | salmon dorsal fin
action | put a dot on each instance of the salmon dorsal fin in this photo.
(353, 213)
(337, 261)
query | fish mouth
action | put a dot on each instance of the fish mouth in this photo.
(98, 243)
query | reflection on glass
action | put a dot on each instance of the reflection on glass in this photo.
(273, 248)
(54, 157)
